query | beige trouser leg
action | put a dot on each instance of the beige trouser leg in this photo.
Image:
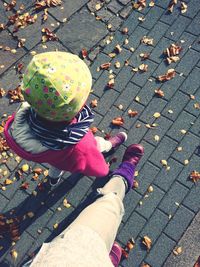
(105, 214)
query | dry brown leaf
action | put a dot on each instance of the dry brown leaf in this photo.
(143, 67)
(11, 5)
(140, 4)
(119, 121)
(111, 83)
(183, 7)
(146, 40)
(84, 53)
(147, 242)
(172, 59)
(118, 48)
(196, 105)
(14, 254)
(177, 251)
(94, 103)
(159, 93)
(38, 171)
(47, 3)
(195, 176)
(3, 145)
(125, 30)
(117, 65)
(145, 265)
(48, 35)
(15, 95)
(105, 66)
(168, 76)
(171, 5)
(2, 92)
(94, 129)
(144, 56)
(25, 185)
(45, 15)
(173, 50)
(8, 181)
(135, 184)
(132, 113)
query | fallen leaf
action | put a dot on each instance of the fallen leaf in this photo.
(48, 35)
(143, 67)
(25, 167)
(177, 251)
(164, 162)
(141, 19)
(151, 4)
(146, 40)
(140, 4)
(132, 113)
(94, 103)
(30, 214)
(183, 131)
(11, 5)
(150, 189)
(37, 170)
(94, 129)
(119, 121)
(125, 253)
(156, 115)
(45, 15)
(172, 59)
(183, 7)
(147, 242)
(144, 56)
(195, 176)
(25, 185)
(8, 181)
(159, 93)
(117, 65)
(97, 6)
(111, 83)
(125, 30)
(120, 107)
(135, 184)
(105, 66)
(118, 48)
(14, 254)
(171, 5)
(15, 95)
(2, 92)
(168, 76)
(47, 3)
(196, 105)
(156, 138)
(55, 226)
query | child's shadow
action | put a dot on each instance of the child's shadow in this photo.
(14, 222)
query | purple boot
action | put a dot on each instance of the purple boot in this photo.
(130, 160)
(118, 139)
(115, 254)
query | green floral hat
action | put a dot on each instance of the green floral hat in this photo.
(56, 85)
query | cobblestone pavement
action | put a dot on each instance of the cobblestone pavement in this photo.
(167, 126)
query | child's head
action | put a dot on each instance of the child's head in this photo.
(56, 85)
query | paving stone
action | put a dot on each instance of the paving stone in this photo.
(155, 225)
(163, 125)
(136, 255)
(188, 62)
(136, 36)
(165, 178)
(193, 27)
(115, 22)
(21, 247)
(67, 9)
(135, 59)
(104, 14)
(162, 3)
(132, 228)
(191, 105)
(107, 99)
(124, 2)
(181, 99)
(177, 28)
(147, 92)
(131, 22)
(183, 122)
(189, 144)
(173, 198)
(82, 186)
(195, 128)
(192, 82)
(73, 32)
(6, 57)
(101, 58)
(157, 53)
(185, 173)
(177, 226)
(150, 203)
(192, 201)
(163, 150)
(153, 106)
(193, 8)
(162, 247)
(145, 177)
(170, 18)
(105, 124)
(123, 56)
(114, 6)
(118, 39)
(41, 219)
(135, 134)
(148, 151)
(100, 86)
(130, 202)
(129, 121)
(4, 201)
(127, 95)
(4, 14)
(152, 17)
(195, 45)
(123, 78)
(125, 11)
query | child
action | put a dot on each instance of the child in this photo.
(52, 126)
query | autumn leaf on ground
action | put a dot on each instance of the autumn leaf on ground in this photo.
(84, 53)
(3, 145)
(48, 35)
(140, 4)
(159, 93)
(132, 113)
(2, 92)
(125, 30)
(195, 176)
(45, 15)
(22, 20)
(118, 48)
(177, 251)
(15, 95)
(94, 103)
(47, 3)
(94, 129)
(111, 83)
(143, 67)
(119, 121)
(146, 40)
(11, 5)
(172, 53)
(167, 76)
(171, 5)
(25, 185)
(144, 56)
(147, 242)
(183, 7)
(105, 66)
(14, 254)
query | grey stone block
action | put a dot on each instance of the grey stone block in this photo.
(136, 36)
(130, 202)
(67, 9)
(195, 128)
(192, 82)
(155, 225)
(188, 62)
(178, 28)
(179, 223)
(157, 53)
(101, 58)
(165, 178)
(123, 78)
(191, 105)
(114, 6)
(125, 11)
(192, 201)
(163, 150)
(74, 31)
(193, 27)
(150, 203)
(152, 17)
(107, 99)
(160, 251)
(100, 86)
(173, 198)
(132, 227)
(170, 18)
